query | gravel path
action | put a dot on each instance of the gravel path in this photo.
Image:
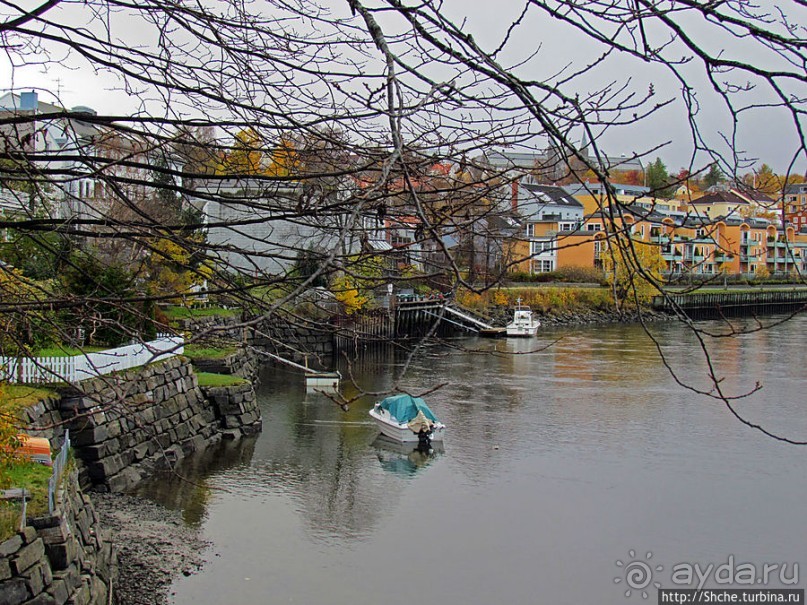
(154, 547)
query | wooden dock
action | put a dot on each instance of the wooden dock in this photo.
(733, 304)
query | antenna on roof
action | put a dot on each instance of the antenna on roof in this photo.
(59, 90)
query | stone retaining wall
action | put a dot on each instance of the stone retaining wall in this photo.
(236, 407)
(44, 418)
(125, 426)
(215, 326)
(243, 363)
(293, 341)
(60, 558)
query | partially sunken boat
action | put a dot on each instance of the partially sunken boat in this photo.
(407, 419)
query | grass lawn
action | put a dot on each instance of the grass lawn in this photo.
(14, 397)
(176, 312)
(34, 478)
(67, 351)
(208, 379)
(203, 352)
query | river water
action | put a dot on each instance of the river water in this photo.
(561, 467)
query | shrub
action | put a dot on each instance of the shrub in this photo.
(570, 275)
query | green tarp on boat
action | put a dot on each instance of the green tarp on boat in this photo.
(405, 407)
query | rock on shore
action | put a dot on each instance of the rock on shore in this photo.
(579, 318)
(503, 316)
(154, 547)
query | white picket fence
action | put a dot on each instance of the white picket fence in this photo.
(39, 370)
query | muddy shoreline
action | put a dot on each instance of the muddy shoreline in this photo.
(154, 547)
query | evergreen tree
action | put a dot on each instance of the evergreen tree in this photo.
(657, 179)
(714, 176)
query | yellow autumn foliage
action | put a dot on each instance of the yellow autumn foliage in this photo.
(170, 269)
(633, 268)
(348, 294)
(9, 429)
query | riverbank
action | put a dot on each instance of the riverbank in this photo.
(594, 317)
(578, 305)
(154, 547)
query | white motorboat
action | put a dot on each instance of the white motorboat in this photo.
(523, 324)
(407, 419)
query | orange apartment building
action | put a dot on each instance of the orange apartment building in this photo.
(687, 244)
(550, 235)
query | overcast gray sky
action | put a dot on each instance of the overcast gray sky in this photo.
(767, 134)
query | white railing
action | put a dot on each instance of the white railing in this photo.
(58, 468)
(89, 365)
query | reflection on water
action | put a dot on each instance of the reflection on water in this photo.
(405, 459)
(188, 487)
(556, 463)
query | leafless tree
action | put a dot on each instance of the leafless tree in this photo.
(285, 126)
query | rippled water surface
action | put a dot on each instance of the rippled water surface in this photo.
(557, 463)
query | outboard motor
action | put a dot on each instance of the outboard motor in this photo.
(425, 437)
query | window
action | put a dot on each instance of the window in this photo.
(600, 247)
(544, 246)
(543, 266)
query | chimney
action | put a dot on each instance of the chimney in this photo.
(514, 196)
(29, 101)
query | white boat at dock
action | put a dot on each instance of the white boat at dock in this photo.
(327, 382)
(523, 324)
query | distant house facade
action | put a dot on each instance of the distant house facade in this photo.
(734, 203)
(700, 246)
(553, 164)
(549, 218)
(260, 226)
(795, 206)
(94, 171)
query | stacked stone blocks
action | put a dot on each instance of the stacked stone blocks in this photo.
(60, 558)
